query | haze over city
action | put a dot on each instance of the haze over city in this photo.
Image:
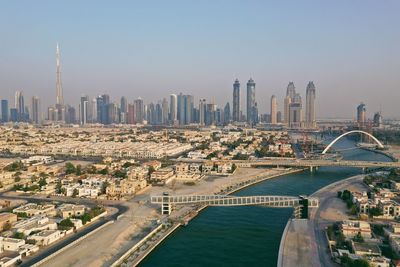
(153, 49)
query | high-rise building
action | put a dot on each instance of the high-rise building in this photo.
(164, 106)
(4, 110)
(211, 110)
(290, 93)
(20, 106)
(84, 110)
(35, 110)
(236, 101)
(93, 111)
(251, 100)
(139, 110)
(124, 109)
(310, 121)
(279, 117)
(295, 112)
(189, 105)
(361, 114)
(13, 114)
(378, 121)
(227, 114)
(60, 99)
(131, 114)
(70, 114)
(202, 111)
(173, 108)
(274, 110)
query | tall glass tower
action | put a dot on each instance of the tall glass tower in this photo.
(236, 101)
(251, 100)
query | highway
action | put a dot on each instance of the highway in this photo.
(301, 163)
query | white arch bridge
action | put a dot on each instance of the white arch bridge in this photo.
(166, 201)
(379, 144)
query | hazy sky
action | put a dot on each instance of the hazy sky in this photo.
(350, 49)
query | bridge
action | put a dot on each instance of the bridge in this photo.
(379, 144)
(166, 201)
(303, 163)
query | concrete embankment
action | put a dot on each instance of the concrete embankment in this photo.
(299, 243)
(252, 181)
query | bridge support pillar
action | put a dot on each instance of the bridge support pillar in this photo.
(166, 208)
(311, 168)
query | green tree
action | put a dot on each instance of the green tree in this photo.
(104, 187)
(78, 170)
(42, 182)
(69, 168)
(66, 223)
(358, 238)
(75, 193)
(375, 212)
(18, 235)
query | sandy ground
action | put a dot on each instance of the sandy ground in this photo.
(111, 242)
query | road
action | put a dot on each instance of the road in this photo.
(331, 209)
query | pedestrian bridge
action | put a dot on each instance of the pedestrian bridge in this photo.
(166, 201)
(223, 200)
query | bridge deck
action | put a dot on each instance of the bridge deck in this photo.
(219, 200)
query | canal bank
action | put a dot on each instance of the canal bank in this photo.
(137, 249)
(246, 236)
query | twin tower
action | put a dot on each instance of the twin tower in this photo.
(293, 107)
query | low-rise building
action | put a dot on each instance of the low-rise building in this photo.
(366, 249)
(7, 218)
(352, 228)
(32, 209)
(34, 224)
(162, 174)
(11, 244)
(70, 210)
(46, 237)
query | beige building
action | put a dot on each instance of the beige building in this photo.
(32, 209)
(46, 237)
(352, 228)
(70, 210)
(7, 218)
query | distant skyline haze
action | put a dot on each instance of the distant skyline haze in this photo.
(349, 49)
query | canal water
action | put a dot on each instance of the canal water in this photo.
(247, 235)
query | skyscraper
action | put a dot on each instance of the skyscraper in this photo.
(202, 111)
(35, 110)
(84, 110)
(361, 114)
(295, 112)
(4, 110)
(131, 114)
(188, 105)
(124, 109)
(274, 110)
(227, 113)
(164, 105)
(236, 101)
(173, 108)
(290, 93)
(310, 106)
(378, 120)
(20, 105)
(59, 93)
(139, 110)
(251, 100)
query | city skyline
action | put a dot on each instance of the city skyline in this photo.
(93, 66)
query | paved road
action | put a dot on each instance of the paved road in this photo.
(323, 216)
